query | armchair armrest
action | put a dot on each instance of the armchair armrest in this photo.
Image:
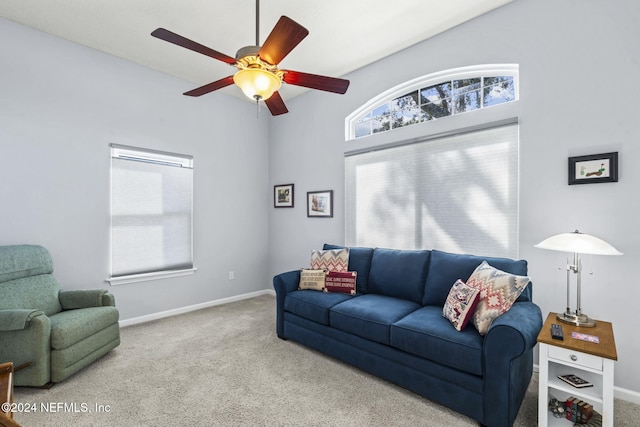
(86, 298)
(17, 319)
(28, 345)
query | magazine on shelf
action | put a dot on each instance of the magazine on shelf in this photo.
(575, 381)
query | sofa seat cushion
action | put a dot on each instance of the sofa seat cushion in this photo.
(71, 326)
(370, 316)
(313, 305)
(427, 334)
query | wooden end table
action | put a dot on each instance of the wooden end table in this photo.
(590, 361)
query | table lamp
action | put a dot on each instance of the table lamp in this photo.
(577, 243)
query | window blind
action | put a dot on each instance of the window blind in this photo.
(151, 211)
(456, 193)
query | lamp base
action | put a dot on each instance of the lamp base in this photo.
(576, 319)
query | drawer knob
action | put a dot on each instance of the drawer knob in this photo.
(574, 357)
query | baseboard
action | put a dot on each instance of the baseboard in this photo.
(618, 392)
(187, 309)
(626, 394)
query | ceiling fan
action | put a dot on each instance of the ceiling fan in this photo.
(258, 74)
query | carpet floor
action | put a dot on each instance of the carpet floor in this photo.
(225, 366)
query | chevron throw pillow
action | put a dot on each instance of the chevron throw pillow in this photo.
(498, 292)
(330, 260)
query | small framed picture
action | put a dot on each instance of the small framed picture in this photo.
(283, 196)
(320, 204)
(593, 168)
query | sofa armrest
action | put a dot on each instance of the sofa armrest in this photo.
(86, 298)
(508, 360)
(17, 319)
(284, 283)
(525, 318)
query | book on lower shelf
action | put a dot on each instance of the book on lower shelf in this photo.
(581, 412)
(575, 381)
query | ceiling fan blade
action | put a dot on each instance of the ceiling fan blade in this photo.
(176, 39)
(314, 81)
(218, 84)
(276, 104)
(286, 35)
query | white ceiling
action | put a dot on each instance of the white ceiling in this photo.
(344, 35)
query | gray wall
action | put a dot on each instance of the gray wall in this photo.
(62, 104)
(579, 64)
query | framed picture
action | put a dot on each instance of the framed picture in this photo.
(320, 204)
(283, 196)
(594, 168)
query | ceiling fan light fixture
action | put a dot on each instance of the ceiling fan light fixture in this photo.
(257, 83)
(258, 75)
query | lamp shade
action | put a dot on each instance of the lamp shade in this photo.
(577, 242)
(257, 83)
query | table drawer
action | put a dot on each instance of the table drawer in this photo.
(575, 357)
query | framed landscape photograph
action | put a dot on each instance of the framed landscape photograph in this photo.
(283, 196)
(593, 168)
(320, 204)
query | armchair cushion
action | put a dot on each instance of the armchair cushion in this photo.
(36, 292)
(71, 326)
(82, 299)
(17, 319)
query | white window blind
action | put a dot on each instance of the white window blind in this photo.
(456, 193)
(151, 212)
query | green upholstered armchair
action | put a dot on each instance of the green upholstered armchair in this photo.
(57, 332)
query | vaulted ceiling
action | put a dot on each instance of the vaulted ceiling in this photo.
(343, 35)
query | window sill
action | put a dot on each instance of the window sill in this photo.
(134, 278)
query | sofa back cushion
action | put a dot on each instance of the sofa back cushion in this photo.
(26, 281)
(445, 268)
(399, 273)
(360, 262)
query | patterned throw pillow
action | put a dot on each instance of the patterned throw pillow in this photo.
(330, 260)
(338, 281)
(498, 292)
(460, 304)
(312, 279)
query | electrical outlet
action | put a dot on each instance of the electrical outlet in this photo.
(232, 275)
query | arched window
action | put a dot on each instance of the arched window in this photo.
(450, 185)
(435, 96)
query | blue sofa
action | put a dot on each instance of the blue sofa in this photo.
(393, 328)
